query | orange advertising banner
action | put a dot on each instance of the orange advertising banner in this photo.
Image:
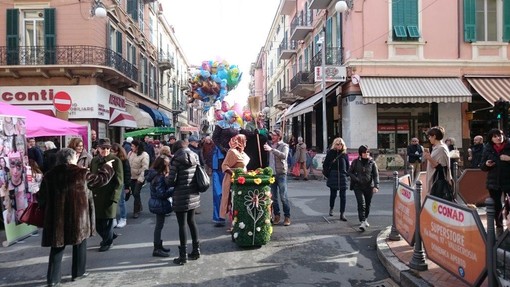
(454, 238)
(404, 212)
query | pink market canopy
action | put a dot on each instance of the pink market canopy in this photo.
(39, 125)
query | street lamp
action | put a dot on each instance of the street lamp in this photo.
(343, 5)
(98, 9)
(322, 44)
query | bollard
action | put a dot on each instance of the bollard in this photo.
(394, 236)
(491, 240)
(418, 260)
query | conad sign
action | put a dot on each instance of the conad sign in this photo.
(454, 238)
(404, 212)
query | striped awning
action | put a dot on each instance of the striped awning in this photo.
(120, 118)
(387, 90)
(491, 88)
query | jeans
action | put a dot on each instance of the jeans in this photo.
(160, 222)
(79, 261)
(122, 204)
(332, 199)
(182, 218)
(364, 198)
(279, 189)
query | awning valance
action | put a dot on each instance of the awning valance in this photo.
(120, 118)
(491, 88)
(159, 118)
(307, 105)
(387, 90)
(143, 119)
(286, 112)
(150, 131)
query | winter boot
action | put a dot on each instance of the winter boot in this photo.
(182, 259)
(137, 208)
(158, 252)
(195, 253)
(163, 248)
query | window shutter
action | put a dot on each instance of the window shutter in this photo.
(119, 42)
(411, 18)
(12, 36)
(398, 19)
(469, 20)
(132, 9)
(506, 21)
(50, 41)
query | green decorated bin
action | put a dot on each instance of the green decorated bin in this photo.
(251, 206)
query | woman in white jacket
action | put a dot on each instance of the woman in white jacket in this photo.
(139, 163)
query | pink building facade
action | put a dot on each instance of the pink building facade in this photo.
(410, 65)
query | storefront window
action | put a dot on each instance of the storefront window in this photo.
(397, 124)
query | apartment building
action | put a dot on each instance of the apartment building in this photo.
(116, 61)
(410, 65)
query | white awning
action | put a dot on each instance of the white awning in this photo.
(286, 112)
(307, 105)
(120, 118)
(387, 90)
(143, 119)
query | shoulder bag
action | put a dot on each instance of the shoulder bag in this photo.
(440, 186)
(202, 179)
(33, 215)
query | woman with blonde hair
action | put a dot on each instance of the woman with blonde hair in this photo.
(84, 157)
(335, 167)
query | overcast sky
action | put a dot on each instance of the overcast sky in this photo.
(231, 30)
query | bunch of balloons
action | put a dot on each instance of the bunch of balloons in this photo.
(243, 116)
(213, 81)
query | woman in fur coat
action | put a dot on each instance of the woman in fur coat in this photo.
(69, 211)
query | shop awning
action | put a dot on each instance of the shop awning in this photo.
(387, 90)
(286, 112)
(307, 105)
(168, 116)
(150, 131)
(491, 88)
(159, 118)
(120, 118)
(143, 119)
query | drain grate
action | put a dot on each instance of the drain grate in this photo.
(388, 282)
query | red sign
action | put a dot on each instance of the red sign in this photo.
(454, 238)
(62, 101)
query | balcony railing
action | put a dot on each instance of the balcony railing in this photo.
(300, 27)
(302, 78)
(165, 61)
(334, 57)
(67, 55)
(286, 50)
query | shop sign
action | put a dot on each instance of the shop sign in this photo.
(392, 127)
(454, 238)
(404, 212)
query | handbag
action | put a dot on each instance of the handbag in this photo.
(202, 179)
(33, 215)
(441, 187)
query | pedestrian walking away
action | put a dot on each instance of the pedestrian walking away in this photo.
(365, 182)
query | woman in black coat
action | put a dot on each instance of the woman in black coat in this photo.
(186, 197)
(335, 167)
(496, 162)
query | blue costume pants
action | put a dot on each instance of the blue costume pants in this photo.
(217, 180)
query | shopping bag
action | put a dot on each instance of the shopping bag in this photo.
(296, 170)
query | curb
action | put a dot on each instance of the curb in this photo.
(398, 271)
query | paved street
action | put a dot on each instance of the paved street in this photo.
(316, 250)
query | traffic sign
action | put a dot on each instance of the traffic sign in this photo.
(62, 101)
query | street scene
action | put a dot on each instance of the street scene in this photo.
(255, 143)
(316, 250)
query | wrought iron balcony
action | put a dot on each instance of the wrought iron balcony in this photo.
(300, 27)
(287, 97)
(69, 56)
(286, 50)
(334, 57)
(302, 85)
(165, 62)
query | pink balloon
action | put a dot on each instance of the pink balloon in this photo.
(237, 108)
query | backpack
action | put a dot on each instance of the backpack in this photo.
(202, 179)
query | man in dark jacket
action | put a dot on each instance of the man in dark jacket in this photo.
(149, 148)
(35, 153)
(414, 156)
(106, 197)
(475, 152)
(193, 146)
